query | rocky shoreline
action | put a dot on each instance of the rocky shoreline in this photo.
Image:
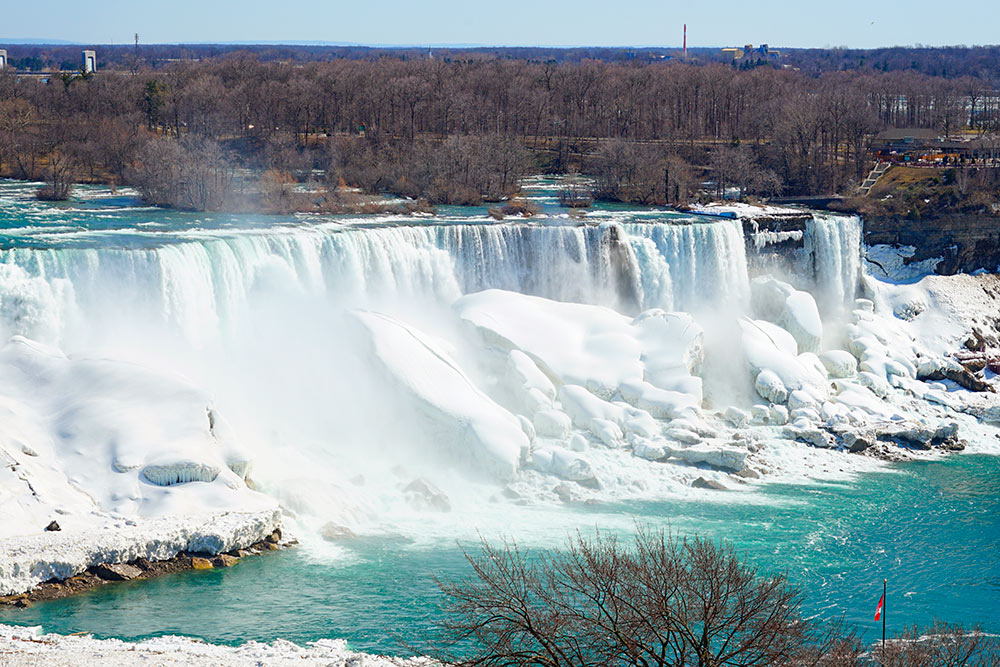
(96, 576)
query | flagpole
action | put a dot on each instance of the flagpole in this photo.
(883, 619)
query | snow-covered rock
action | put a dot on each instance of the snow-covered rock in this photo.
(29, 645)
(839, 363)
(459, 418)
(552, 424)
(770, 387)
(801, 319)
(26, 561)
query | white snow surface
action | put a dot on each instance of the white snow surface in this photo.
(453, 411)
(26, 561)
(24, 646)
(128, 462)
(744, 210)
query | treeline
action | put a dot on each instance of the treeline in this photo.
(461, 132)
(944, 61)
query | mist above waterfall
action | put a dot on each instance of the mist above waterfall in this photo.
(315, 344)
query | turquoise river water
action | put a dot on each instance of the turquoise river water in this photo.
(932, 529)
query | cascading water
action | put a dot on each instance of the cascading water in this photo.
(832, 243)
(254, 314)
(199, 285)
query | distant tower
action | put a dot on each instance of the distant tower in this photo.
(3, 58)
(89, 62)
(685, 41)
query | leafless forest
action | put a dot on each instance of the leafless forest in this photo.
(192, 133)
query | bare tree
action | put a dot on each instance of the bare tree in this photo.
(60, 177)
(662, 601)
(942, 645)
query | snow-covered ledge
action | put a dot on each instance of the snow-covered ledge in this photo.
(29, 646)
(27, 561)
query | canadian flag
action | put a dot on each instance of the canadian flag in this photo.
(878, 609)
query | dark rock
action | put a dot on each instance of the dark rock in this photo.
(857, 443)
(116, 571)
(747, 473)
(274, 537)
(225, 560)
(334, 532)
(53, 526)
(961, 377)
(563, 492)
(702, 483)
(199, 563)
(974, 365)
(142, 564)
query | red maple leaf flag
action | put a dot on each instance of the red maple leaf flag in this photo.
(878, 610)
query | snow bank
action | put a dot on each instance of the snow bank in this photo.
(26, 561)
(81, 436)
(30, 646)
(457, 416)
(894, 264)
(749, 211)
(128, 462)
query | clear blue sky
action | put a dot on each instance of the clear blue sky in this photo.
(853, 23)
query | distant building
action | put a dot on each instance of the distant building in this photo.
(922, 146)
(748, 52)
(3, 58)
(89, 62)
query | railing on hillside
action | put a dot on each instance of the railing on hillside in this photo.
(873, 176)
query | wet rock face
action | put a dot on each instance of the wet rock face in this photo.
(117, 571)
(53, 526)
(702, 483)
(335, 532)
(964, 242)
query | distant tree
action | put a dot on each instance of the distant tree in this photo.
(190, 173)
(738, 167)
(60, 177)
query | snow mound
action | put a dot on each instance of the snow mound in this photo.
(29, 646)
(463, 421)
(91, 440)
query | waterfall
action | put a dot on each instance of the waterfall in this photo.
(201, 282)
(706, 264)
(198, 283)
(832, 245)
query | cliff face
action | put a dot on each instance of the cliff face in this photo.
(964, 242)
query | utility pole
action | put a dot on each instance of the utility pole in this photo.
(135, 56)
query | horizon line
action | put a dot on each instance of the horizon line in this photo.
(24, 41)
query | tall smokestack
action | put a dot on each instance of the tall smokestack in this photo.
(685, 41)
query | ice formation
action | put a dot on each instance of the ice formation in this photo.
(30, 645)
(364, 375)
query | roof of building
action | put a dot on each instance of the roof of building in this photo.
(899, 133)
